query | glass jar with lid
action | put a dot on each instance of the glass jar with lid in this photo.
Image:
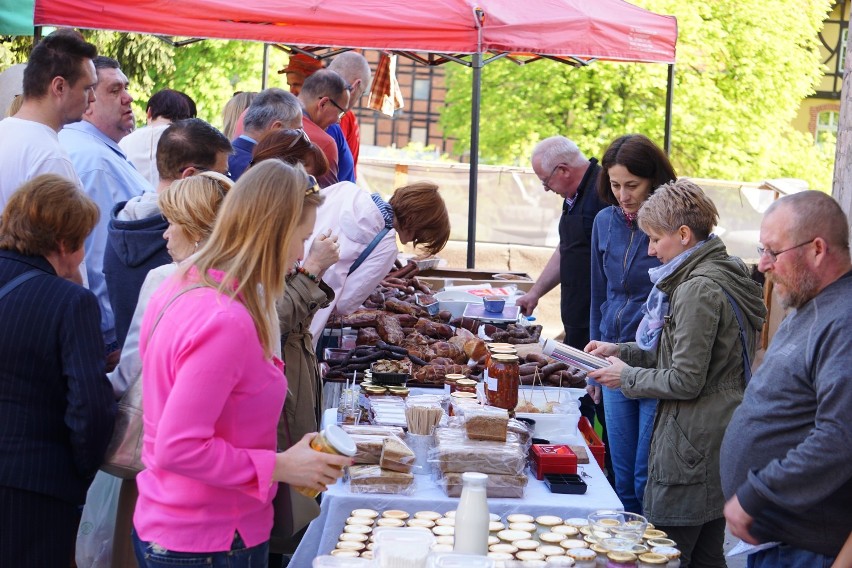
(501, 388)
(653, 560)
(583, 557)
(621, 560)
(671, 553)
(465, 385)
(450, 381)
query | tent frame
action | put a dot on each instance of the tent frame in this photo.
(476, 63)
(477, 60)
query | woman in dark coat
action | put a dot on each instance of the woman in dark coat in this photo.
(56, 405)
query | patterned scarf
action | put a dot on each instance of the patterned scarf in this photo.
(657, 306)
(630, 218)
(384, 208)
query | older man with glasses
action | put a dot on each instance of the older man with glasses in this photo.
(325, 98)
(786, 461)
(565, 171)
(271, 109)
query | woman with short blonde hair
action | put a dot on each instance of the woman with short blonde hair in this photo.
(692, 351)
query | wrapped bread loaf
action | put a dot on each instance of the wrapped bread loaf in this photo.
(373, 479)
(454, 453)
(486, 423)
(396, 455)
(368, 449)
(498, 486)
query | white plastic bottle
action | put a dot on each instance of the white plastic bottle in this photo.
(472, 517)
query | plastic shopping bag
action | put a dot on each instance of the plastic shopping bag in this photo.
(94, 537)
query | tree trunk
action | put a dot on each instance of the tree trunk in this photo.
(842, 186)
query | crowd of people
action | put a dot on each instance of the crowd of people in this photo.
(647, 285)
(195, 264)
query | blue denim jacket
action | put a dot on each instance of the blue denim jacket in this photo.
(620, 281)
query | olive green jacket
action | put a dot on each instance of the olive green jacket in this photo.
(697, 375)
(302, 299)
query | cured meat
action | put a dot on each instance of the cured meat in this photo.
(400, 307)
(433, 329)
(390, 330)
(446, 349)
(361, 318)
(367, 336)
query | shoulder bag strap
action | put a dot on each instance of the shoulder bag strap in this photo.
(363, 256)
(170, 302)
(738, 312)
(18, 280)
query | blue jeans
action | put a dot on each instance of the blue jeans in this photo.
(785, 556)
(629, 423)
(149, 555)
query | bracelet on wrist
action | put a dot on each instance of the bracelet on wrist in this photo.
(313, 277)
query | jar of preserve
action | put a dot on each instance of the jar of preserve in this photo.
(401, 392)
(621, 560)
(492, 348)
(450, 381)
(653, 560)
(374, 390)
(465, 385)
(331, 440)
(583, 557)
(671, 553)
(501, 388)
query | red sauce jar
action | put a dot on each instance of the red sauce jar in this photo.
(501, 388)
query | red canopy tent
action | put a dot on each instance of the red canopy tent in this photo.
(472, 33)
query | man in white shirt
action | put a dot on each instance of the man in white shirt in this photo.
(164, 107)
(59, 84)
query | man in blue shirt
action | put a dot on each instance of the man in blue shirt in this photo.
(355, 70)
(270, 110)
(105, 173)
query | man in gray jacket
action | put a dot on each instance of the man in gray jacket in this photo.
(787, 453)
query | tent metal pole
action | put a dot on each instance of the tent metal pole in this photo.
(667, 143)
(265, 66)
(476, 63)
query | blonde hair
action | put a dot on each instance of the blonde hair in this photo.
(193, 202)
(251, 239)
(15, 105)
(232, 111)
(676, 204)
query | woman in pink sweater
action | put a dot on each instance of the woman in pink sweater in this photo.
(214, 387)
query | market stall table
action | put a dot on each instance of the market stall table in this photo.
(338, 503)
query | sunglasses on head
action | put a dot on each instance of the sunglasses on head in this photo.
(313, 186)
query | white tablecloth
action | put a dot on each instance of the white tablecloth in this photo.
(338, 503)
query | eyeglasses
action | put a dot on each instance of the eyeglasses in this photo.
(546, 182)
(313, 186)
(773, 255)
(338, 107)
(203, 169)
(299, 134)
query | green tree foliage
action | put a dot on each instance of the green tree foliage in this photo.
(743, 68)
(14, 49)
(209, 71)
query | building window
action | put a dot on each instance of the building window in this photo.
(421, 89)
(418, 135)
(841, 52)
(368, 133)
(826, 129)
